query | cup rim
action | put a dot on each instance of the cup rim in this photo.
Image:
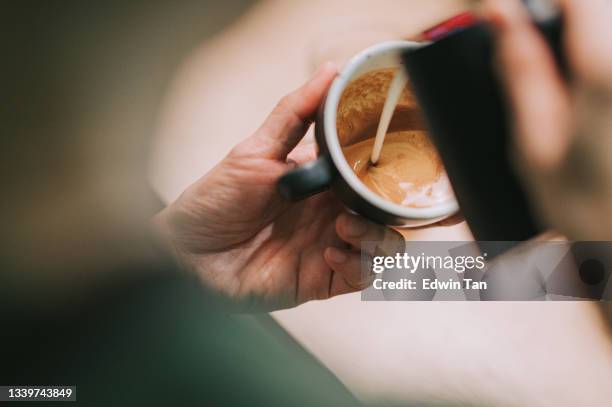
(335, 150)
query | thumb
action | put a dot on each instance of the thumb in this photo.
(288, 122)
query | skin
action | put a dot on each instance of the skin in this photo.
(234, 230)
(562, 129)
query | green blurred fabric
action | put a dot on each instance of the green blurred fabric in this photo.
(164, 341)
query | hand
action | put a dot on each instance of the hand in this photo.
(246, 242)
(562, 131)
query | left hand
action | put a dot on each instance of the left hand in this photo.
(247, 243)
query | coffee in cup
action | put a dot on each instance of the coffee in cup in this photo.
(401, 194)
(409, 171)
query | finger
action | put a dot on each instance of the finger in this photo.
(587, 35)
(451, 221)
(354, 230)
(347, 266)
(290, 119)
(534, 87)
(303, 153)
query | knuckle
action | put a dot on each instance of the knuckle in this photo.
(285, 108)
(238, 150)
(246, 148)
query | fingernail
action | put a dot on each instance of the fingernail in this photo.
(354, 226)
(336, 255)
(326, 66)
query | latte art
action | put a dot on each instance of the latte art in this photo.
(409, 171)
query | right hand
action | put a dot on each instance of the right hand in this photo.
(563, 132)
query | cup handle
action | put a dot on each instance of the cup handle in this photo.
(306, 180)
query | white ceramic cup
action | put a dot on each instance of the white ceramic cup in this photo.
(331, 168)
